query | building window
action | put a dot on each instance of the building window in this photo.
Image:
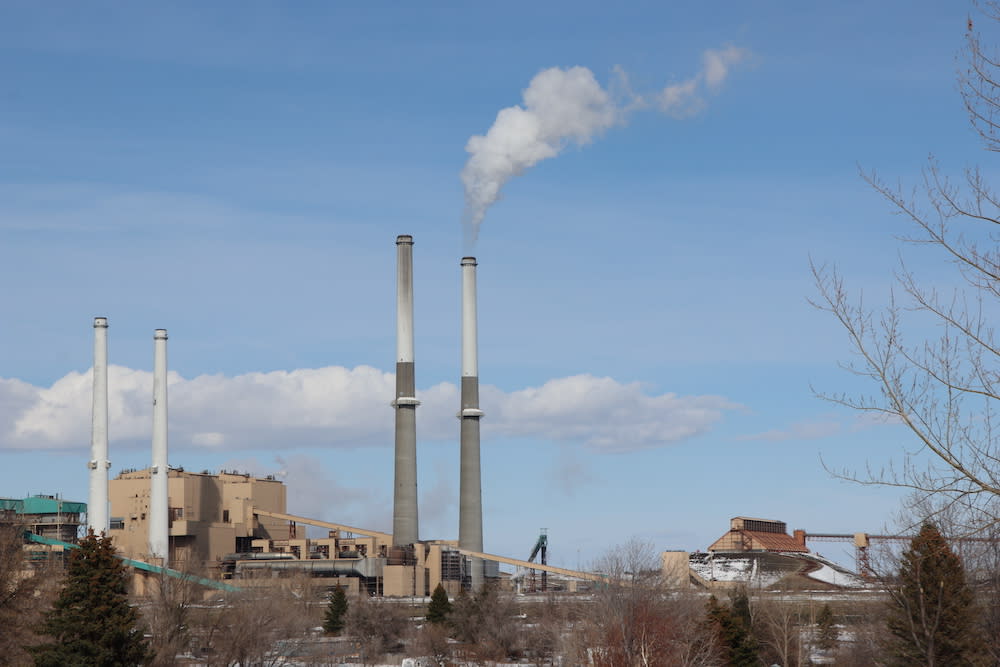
(225, 516)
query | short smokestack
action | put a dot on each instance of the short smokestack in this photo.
(159, 545)
(97, 502)
(404, 508)
(470, 508)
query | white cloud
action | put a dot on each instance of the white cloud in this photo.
(824, 427)
(601, 413)
(342, 407)
(802, 430)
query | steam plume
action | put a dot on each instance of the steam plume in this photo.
(564, 106)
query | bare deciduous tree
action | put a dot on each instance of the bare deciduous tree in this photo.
(377, 625)
(432, 642)
(258, 627)
(25, 592)
(636, 622)
(931, 354)
(487, 623)
(167, 614)
(779, 623)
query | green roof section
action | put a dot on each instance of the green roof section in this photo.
(42, 505)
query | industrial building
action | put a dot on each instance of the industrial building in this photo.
(758, 553)
(209, 516)
(746, 534)
(235, 526)
(46, 516)
(238, 525)
(238, 522)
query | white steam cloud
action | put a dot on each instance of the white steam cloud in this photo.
(341, 407)
(568, 106)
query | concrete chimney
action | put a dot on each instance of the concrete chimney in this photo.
(97, 502)
(159, 531)
(404, 508)
(470, 507)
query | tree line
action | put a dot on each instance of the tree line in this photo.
(931, 610)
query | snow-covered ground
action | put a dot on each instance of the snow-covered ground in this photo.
(838, 577)
(733, 567)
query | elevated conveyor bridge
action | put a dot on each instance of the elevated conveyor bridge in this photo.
(143, 566)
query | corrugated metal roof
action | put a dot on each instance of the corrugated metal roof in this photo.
(42, 505)
(774, 541)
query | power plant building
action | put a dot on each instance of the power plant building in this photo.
(45, 516)
(209, 516)
(239, 524)
(748, 534)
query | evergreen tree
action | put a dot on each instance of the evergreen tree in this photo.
(826, 629)
(732, 625)
(439, 607)
(92, 622)
(932, 616)
(336, 611)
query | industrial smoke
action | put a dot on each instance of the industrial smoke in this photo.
(568, 106)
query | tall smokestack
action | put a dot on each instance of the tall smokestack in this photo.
(97, 504)
(159, 546)
(404, 509)
(470, 508)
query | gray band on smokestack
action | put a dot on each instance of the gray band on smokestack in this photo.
(404, 508)
(97, 503)
(470, 507)
(159, 511)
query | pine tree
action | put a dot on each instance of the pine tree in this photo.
(826, 629)
(733, 628)
(333, 621)
(439, 608)
(932, 615)
(92, 622)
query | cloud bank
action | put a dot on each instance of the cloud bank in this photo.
(343, 407)
(568, 106)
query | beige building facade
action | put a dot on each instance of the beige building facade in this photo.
(210, 515)
(235, 527)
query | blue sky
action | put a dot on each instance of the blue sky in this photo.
(238, 173)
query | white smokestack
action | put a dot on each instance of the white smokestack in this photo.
(564, 106)
(470, 501)
(97, 503)
(159, 517)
